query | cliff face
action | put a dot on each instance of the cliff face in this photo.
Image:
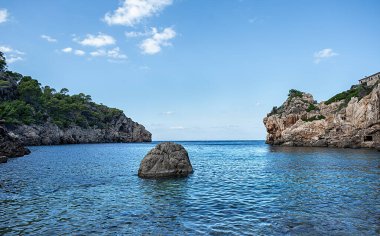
(10, 146)
(350, 123)
(121, 129)
(39, 115)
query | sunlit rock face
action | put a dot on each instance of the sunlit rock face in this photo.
(166, 160)
(350, 123)
(120, 129)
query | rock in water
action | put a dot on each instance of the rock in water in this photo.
(166, 160)
(11, 146)
(3, 159)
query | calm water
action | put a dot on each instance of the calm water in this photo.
(237, 188)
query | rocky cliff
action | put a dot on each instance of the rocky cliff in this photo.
(120, 130)
(40, 115)
(10, 146)
(350, 119)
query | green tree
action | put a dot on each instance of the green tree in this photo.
(3, 63)
(30, 91)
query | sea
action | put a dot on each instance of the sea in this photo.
(237, 188)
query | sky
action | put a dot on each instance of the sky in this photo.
(193, 69)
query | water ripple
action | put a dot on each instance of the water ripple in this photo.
(238, 188)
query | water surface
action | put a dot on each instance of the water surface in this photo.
(238, 188)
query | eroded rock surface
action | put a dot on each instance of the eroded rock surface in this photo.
(10, 146)
(120, 130)
(301, 121)
(166, 160)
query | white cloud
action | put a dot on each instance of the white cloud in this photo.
(5, 49)
(48, 38)
(177, 127)
(99, 40)
(168, 113)
(153, 44)
(113, 53)
(79, 52)
(323, 54)
(11, 55)
(133, 11)
(3, 15)
(67, 50)
(135, 34)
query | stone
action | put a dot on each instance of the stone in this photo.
(166, 160)
(121, 129)
(10, 146)
(355, 124)
(3, 159)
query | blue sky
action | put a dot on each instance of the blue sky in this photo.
(193, 69)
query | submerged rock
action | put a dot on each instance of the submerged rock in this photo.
(3, 159)
(166, 160)
(10, 146)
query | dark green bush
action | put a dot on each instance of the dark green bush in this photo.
(313, 118)
(311, 107)
(295, 93)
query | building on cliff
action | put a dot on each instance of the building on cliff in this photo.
(370, 80)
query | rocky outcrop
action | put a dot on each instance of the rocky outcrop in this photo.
(121, 129)
(350, 123)
(10, 146)
(166, 160)
(3, 159)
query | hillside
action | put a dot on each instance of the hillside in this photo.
(40, 115)
(349, 119)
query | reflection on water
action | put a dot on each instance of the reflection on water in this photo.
(238, 188)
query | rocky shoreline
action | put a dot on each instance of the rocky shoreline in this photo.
(352, 122)
(120, 130)
(13, 139)
(10, 146)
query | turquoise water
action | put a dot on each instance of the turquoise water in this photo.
(238, 188)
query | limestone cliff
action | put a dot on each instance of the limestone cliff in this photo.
(120, 130)
(39, 115)
(350, 119)
(10, 146)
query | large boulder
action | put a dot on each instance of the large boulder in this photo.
(166, 160)
(10, 146)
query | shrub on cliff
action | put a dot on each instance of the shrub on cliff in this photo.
(359, 91)
(295, 93)
(311, 107)
(313, 118)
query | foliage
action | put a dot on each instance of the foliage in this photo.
(17, 112)
(311, 107)
(4, 84)
(295, 93)
(356, 91)
(313, 118)
(34, 104)
(3, 64)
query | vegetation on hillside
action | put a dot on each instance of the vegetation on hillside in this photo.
(24, 101)
(359, 91)
(313, 118)
(295, 93)
(311, 107)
